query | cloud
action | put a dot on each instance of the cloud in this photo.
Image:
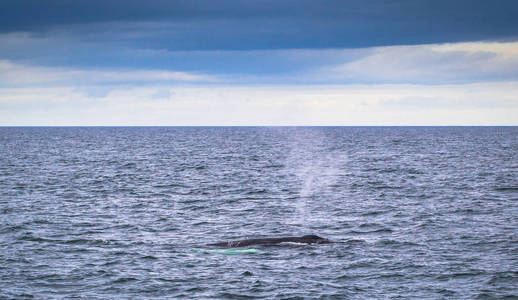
(94, 91)
(162, 94)
(457, 63)
(264, 24)
(60, 49)
(430, 64)
(12, 74)
(265, 62)
(464, 104)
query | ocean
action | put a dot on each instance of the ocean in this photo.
(126, 212)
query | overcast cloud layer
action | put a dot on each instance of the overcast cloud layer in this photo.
(268, 24)
(258, 62)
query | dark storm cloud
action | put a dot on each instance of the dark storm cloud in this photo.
(269, 24)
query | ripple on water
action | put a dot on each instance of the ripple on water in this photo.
(101, 213)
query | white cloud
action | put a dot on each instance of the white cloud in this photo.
(418, 64)
(162, 94)
(429, 64)
(452, 84)
(467, 104)
(12, 74)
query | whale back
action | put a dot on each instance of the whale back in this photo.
(314, 239)
(306, 239)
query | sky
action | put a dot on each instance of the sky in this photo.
(258, 62)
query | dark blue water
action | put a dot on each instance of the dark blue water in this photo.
(125, 212)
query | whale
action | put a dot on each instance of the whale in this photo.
(306, 239)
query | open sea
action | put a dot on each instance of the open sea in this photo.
(126, 212)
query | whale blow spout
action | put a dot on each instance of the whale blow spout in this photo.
(306, 239)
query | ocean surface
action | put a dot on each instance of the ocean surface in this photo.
(105, 213)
